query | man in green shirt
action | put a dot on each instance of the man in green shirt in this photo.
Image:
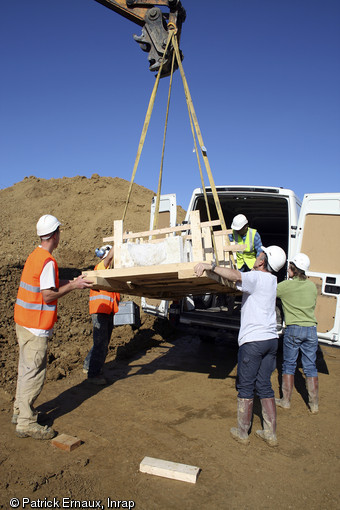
(298, 297)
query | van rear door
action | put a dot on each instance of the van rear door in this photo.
(318, 237)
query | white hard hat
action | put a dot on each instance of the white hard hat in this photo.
(301, 261)
(239, 221)
(103, 251)
(276, 257)
(47, 224)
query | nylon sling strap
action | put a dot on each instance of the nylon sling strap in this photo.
(155, 218)
(194, 127)
(146, 125)
(193, 119)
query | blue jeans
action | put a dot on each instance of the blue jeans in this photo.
(102, 329)
(256, 363)
(304, 339)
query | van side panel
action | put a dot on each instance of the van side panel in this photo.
(323, 259)
(325, 308)
(318, 237)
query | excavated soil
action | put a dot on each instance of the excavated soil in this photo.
(171, 396)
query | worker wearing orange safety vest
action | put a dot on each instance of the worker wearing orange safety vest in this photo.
(102, 305)
(30, 311)
(242, 234)
(35, 313)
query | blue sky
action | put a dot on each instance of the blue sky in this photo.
(264, 76)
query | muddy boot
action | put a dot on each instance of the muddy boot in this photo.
(313, 394)
(36, 431)
(287, 389)
(268, 434)
(244, 415)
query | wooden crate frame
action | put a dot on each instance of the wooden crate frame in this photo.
(170, 281)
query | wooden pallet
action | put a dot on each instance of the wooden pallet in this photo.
(170, 281)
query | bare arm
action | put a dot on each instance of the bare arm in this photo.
(108, 259)
(65, 286)
(230, 274)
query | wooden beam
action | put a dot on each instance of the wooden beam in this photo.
(197, 248)
(167, 230)
(118, 241)
(234, 247)
(207, 244)
(168, 469)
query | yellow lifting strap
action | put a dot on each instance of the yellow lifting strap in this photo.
(146, 124)
(200, 138)
(194, 125)
(155, 218)
(193, 120)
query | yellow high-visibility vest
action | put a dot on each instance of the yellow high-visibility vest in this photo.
(248, 256)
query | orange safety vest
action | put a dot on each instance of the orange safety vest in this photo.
(30, 310)
(102, 301)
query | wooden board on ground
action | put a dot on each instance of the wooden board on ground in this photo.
(66, 442)
(168, 469)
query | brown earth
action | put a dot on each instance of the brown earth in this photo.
(171, 396)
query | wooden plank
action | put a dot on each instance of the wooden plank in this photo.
(168, 469)
(190, 273)
(219, 249)
(197, 249)
(234, 247)
(207, 244)
(127, 272)
(222, 232)
(118, 241)
(167, 230)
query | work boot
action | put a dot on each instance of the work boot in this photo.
(36, 431)
(98, 380)
(244, 415)
(313, 394)
(287, 389)
(268, 434)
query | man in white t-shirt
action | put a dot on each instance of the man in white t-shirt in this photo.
(35, 313)
(258, 340)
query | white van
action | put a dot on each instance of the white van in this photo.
(280, 218)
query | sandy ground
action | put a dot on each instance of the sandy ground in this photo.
(171, 397)
(177, 402)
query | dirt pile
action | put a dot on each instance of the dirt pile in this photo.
(169, 397)
(87, 209)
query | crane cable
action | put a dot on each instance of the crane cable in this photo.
(193, 121)
(193, 118)
(202, 181)
(146, 123)
(155, 218)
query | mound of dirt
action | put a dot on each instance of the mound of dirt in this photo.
(87, 209)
